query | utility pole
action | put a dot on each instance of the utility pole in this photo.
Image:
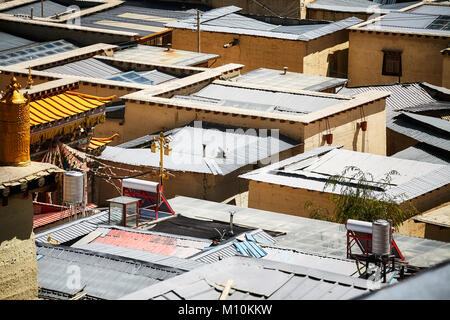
(198, 29)
(161, 143)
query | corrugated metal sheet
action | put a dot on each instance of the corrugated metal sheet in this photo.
(432, 9)
(410, 182)
(73, 230)
(104, 276)
(226, 21)
(50, 9)
(199, 146)
(357, 6)
(287, 282)
(86, 68)
(430, 130)
(35, 51)
(10, 41)
(423, 152)
(140, 13)
(292, 80)
(307, 235)
(409, 21)
(154, 242)
(152, 54)
(403, 96)
(264, 100)
(142, 255)
(249, 249)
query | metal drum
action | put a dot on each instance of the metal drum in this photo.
(73, 187)
(381, 237)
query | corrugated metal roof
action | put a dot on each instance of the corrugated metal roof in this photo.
(430, 130)
(86, 68)
(225, 20)
(403, 95)
(205, 148)
(431, 284)
(307, 235)
(151, 54)
(131, 15)
(415, 178)
(292, 80)
(35, 51)
(142, 255)
(10, 41)
(265, 100)
(412, 22)
(423, 152)
(102, 275)
(357, 6)
(72, 230)
(50, 9)
(153, 242)
(287, 282)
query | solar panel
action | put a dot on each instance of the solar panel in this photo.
(440, 23)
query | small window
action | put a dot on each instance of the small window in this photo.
(392, 63)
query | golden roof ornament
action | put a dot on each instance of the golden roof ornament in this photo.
(30, 80)
(12, 94)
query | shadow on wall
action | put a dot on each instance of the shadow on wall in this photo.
(338, 64)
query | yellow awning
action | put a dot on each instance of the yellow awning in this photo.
(63, 105)
(96, 143)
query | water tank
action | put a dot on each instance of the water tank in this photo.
(73, 187)
(381, 237)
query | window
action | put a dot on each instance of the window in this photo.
(392, 63)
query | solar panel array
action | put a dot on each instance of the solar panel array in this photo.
(36, 51)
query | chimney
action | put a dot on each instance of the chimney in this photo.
(14, 127)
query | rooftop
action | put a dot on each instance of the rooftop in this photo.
(149, 241)
(306, 235)
(427, 18)
(204, 148)
(10, 41)
(97, 270)
(292, 80)
(34, 51)
(414, 97)
(226, 20)
(311, 171)
(137, 17)
(432, 283)
(152, 54)
(266, 100)
(287, 282)
(439, 216)
(358, 6)
(430, 131)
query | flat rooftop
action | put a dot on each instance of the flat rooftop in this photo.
(203, 148)
(292, 80)
(226, 20)
(152, 54)
(140, 17)
(266, 100)
(311, 170)
(429, 18)
(358, 6)
(304, 234)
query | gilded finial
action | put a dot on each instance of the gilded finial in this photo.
(12, 93)
(30, 80)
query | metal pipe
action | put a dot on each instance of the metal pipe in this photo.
(198, 30)
(42, 8)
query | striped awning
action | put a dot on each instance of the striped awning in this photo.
(64, 113)
(96, 143)
(63, 105)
